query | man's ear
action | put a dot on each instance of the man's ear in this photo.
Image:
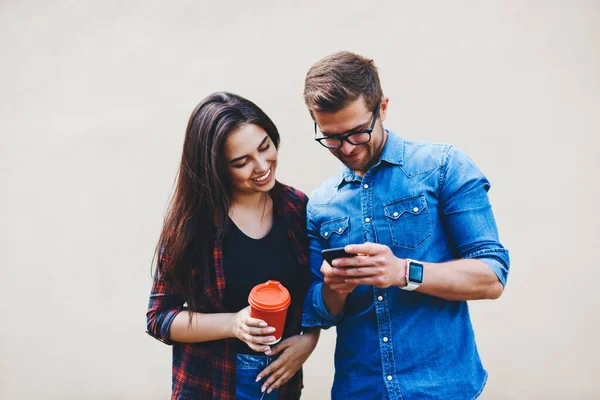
(383, 107)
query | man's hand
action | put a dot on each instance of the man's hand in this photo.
(375, 265)
(335, 281)
(294, 352)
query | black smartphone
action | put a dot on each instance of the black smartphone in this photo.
(337, 252)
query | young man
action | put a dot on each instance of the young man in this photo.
(418, 216)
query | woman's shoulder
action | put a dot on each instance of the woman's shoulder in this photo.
(290, 199)
(290, 194)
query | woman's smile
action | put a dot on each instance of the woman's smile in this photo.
(263, 178)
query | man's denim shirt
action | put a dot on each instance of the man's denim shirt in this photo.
(426, 202)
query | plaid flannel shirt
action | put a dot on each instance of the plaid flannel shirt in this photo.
(208, 370)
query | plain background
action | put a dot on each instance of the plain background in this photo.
(94, 100)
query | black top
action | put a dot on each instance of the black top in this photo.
(248, 262)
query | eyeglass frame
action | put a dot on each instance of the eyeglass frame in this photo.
(346, 136)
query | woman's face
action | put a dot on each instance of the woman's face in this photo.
(251, 159)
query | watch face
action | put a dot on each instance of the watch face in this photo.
(415, 273)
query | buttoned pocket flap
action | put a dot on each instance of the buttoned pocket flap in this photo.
(414, 205)
(336, 227)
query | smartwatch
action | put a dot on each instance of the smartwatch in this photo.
(414, 275)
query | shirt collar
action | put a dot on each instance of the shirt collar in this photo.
(393, 153)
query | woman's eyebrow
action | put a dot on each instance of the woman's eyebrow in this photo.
(246, 155)
(263, 141)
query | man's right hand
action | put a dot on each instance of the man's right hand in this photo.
(335, 282)
(254, 332)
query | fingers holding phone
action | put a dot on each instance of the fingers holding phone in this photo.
(331, 277)
(337, 252)
(328, 269)
(377, 265)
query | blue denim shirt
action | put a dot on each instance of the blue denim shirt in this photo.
(427, 202)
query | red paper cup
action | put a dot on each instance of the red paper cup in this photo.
(269, 301)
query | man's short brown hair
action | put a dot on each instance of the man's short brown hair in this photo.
(339, 79)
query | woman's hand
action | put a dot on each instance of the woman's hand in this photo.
(254, 332)
(294, 352)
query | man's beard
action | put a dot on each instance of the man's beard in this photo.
(361, 164)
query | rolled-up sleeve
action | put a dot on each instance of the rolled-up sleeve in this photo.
(497, 260)
(467, 213)
(164, 305)
(315, 313)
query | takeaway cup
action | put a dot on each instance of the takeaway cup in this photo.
(269, 301)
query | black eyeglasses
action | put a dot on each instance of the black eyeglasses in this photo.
(362, 136)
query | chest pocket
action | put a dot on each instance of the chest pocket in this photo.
(335, 233)
(409, 221)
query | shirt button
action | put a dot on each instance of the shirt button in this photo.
(416, 209)
(395, 213)
(340, 230)
(385, 339)
(367, 219)
(389, 377)
(380, 298)
(325, 234)
(366, 186)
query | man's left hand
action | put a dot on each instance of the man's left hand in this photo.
(375, 265)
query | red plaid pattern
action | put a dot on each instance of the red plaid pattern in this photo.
(208, 370)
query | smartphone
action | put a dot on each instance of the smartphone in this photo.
(337, 252)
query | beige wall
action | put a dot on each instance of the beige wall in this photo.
(94, 99)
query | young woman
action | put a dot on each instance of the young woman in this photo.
(230, 226)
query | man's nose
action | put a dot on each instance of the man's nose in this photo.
(347, 148)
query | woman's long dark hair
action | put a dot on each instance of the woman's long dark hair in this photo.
(198, 211)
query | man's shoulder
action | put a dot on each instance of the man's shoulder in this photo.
(421, 145)
(326, 190)
(450, 161)
(416, 150)
(420, 156)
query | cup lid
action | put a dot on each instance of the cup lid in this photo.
(269, 296)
